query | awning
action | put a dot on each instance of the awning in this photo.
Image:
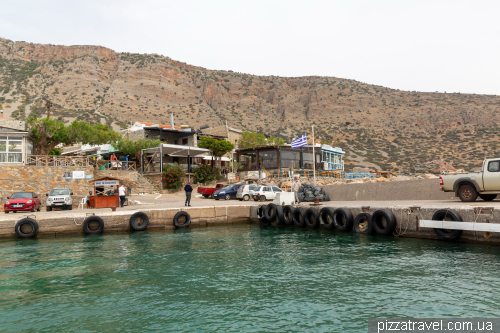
(178, 150)
(224, 159)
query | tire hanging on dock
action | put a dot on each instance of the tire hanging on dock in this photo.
(26, 228)
(379, 217)
(447, 234)
(280, 219)
(288, 214)
(311, 218)
(298, 217)
(326, 218)
(93, 225)
(343, 219)
(182, 219)
(262, 215)
(363, 224)
(139, 221)
(270, 212)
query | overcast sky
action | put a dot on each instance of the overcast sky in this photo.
(422, 45)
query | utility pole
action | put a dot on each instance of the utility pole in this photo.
(48, 105)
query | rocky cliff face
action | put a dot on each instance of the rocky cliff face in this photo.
(99, 85)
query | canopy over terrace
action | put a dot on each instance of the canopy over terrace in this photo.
(152, 156)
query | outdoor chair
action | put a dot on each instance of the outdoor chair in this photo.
(82, 203)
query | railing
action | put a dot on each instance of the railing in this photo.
(46, 160)
(114, 165)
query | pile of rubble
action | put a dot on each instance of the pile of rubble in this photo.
(307, 193)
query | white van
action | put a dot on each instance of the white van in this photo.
(245, 192)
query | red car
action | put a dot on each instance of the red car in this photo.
(22, 201)
(209, 192)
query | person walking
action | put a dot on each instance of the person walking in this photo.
(295, 186)
(189, 189)
(121, 193)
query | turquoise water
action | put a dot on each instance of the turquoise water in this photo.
(239, 278)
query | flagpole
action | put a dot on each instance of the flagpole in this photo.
(314, 161)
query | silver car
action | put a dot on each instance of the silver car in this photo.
(59, 197)
(245, 192)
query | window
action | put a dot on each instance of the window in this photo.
(308, 160)
(290, 159)
(11, 149)
(494, 166)
(268, 159)
(266, 189)
(248, 161)
(185, 141)
(277, 189)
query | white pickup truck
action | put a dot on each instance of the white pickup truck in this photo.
(468, 186)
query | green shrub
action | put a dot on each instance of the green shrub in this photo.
(205, 173)
(173, 176)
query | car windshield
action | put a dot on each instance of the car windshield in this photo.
(59, 191)
(22, 195)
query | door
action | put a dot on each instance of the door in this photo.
(276, 190)
(491, 176)
(234, 190)
(268, 193)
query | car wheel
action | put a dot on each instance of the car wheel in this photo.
(49, 208)
(227, 196)
(39, 208)
(216, 199)
(246, 197)
(6, 212)
(14, 211)
(240, 199)
(467, 193)
(255, 199)
(211, 196)
(262, 198)
(33, 210)
(70, 207)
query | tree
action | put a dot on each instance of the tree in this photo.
(254, 139)
(134, 147)
(218, 147)
(46, 133)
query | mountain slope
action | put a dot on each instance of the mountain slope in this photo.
(389, 128)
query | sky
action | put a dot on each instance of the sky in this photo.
(422, 45)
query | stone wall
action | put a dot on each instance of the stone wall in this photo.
(40, 179)
(127, 178)
(421, 189)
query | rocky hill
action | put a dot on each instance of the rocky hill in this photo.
(378, 127)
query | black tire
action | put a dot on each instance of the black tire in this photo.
(49, 208)
(447, 234)
(262, 198)
(33, 210)
(363, 224)
(205, 196)
(311, 218)
(6, 212)
(280, 219)
(39, 208)
(270, 212)
(135, 220)
(246, 197)
(326, 218)
(261, 214)
(379, 217)
(488, 197)
(288, 215)
(227, 196)
(216, 199)
(255, 199)
(298, 217)
(90, 223)
(179, 215)
(26, 228)
(240, 199)
(70, 207)
(467, 193)
(343, 219)
(211, 195)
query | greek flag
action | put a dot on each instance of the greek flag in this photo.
(299, 142)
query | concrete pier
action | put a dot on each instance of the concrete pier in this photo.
(407, 213)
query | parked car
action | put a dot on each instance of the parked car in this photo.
(227, 192)
(266, 193)
(208, 192)
(484, 183)
(59, 197)
(22, 201)
(245, 192)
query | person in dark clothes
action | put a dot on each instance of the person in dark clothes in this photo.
(189, 189)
